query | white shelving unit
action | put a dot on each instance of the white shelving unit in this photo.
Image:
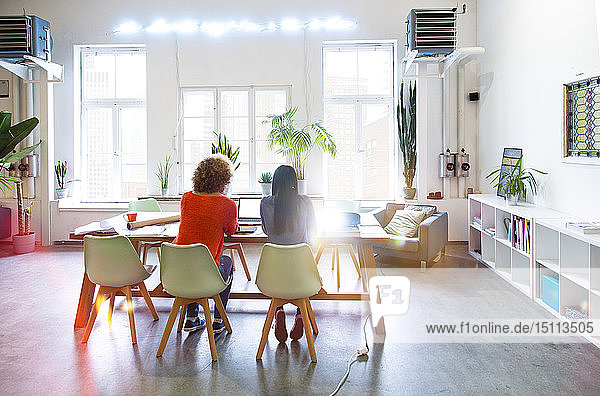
(572, 258)
(499, 251)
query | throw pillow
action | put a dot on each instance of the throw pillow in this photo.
(405, 223)
(428, 209)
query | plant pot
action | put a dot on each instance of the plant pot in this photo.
(24, 243)
(302, 187)
(62, 193)
(409, 192)
(512, 200)
(164, 192)
(266, 189)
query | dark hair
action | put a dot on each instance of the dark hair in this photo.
(285, 194)
(213, 174)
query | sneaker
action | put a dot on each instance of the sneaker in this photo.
(193, 324)
(280, 329)
(218, 326)
(297, 329)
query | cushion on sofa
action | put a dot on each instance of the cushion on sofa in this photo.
(428, 209)
(404, 243)
(405, 223)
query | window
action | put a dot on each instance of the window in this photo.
(582, 118)
(113, 123)
(238, 113)
(358, 95)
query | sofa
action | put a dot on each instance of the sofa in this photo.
(430, 241)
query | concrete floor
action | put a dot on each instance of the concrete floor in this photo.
(42, 354)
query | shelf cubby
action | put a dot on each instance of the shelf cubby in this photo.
(575, 260)
(595, 270)
(488, 249)
(501, 231)
(503, 253)
(546, 242)
(488, 216)
(474, 210)
(572, 294)
(521, 270)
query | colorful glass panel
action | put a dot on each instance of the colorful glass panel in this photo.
(582, 115)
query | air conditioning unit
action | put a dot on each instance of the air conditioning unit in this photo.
(431, 32)
(24, 35)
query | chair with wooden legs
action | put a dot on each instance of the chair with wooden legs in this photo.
(342, 206)
(190, 274)
(113, 264)
(146, 205)
(237, 247)
(288, 274)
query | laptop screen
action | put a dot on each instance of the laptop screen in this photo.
(249, 209)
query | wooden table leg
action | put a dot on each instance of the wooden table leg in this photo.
(369, 270)
(86, 299)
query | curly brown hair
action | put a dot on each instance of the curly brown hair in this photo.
(213, 174)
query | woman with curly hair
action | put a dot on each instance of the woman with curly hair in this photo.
(206, 216)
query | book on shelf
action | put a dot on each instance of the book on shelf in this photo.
(585, 227)
(521, 234)
(490, 231)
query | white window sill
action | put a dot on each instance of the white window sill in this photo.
(71, 204)
(581, 161)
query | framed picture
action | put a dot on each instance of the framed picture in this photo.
(510, 157)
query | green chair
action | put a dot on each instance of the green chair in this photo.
(342, 206)
(113, 264)
(288, 274)
(190, 273)
(146, 205)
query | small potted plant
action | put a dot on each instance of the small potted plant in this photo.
(513, 182)
(266, 180)
(407, 137)
(162, 173)
(60, 170)
(297, 144)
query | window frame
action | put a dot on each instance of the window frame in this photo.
(358, 101)
(115, 104)
(252, 148)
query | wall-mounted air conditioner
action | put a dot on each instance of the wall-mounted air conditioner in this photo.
(431, 31)
(24, 35)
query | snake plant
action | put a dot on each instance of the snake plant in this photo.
(407, 131)
(222, 146)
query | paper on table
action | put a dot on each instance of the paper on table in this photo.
(148, 231)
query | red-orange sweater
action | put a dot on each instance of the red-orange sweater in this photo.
(206, 219)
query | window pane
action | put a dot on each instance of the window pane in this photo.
(133, 181)
(198, 104)
(375, 72)
(341, 75)
(100, 168)
(340, 122)
(133, 135)
(195, 151)
(198, 128)
(263, 154)
(234, 103)
(235, 128)
(98, 76)
(98, 128)
(376, 132)
(131, 75)
(270, 102)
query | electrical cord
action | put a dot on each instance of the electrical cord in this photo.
(362, 352)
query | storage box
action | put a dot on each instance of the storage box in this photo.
(550, 291)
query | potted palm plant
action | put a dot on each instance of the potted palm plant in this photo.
(514, 181)
(162, 173)
(407, 137)
(297, 144)
(10, 137)
(266, 180)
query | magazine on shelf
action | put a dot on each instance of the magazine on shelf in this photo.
(585, 227)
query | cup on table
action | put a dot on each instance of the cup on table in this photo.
(130, 216)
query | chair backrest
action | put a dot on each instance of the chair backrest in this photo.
(144, 205)
(288, 272)
(112, 261)
(189, 271)
(348, 206)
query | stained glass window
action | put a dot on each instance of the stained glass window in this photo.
(582, 118)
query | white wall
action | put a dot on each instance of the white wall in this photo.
(532, 48)
(237, 58)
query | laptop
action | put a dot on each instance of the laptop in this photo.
(249, 211)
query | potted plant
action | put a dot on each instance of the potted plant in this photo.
(24, 240)
(297, 144)
(60, 170)
(266, 180)
(164, 169)
(222, 146)
(514, 181)
(407, 137)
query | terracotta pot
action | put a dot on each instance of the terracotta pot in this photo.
(24, 243)
(409, 192)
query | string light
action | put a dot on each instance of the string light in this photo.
(219, 28)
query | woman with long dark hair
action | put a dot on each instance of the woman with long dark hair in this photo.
(288, 218)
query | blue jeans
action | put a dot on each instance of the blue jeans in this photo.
(226, 269)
